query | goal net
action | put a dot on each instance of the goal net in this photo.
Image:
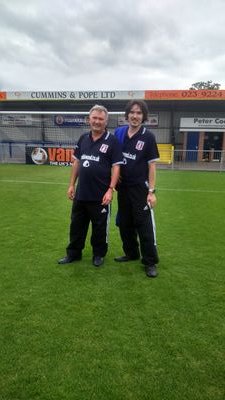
(44, 138)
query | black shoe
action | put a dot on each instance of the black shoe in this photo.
(151, 271)
(97, 261)
(68, 260)
(125, 258)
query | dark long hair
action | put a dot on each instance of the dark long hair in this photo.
(143, 106)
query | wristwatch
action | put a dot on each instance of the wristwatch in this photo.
(151, 190)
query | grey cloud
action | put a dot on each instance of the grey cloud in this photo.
(75, 43)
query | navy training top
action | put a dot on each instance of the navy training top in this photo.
(138, 152)
(96, 161)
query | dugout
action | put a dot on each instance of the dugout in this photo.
(192, 122)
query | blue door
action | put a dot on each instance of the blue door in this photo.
(192, 146)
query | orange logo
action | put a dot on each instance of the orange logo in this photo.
(2, 95)
(60, 155)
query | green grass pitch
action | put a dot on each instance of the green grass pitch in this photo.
(75, 332)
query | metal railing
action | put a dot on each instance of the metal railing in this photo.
(210, 160)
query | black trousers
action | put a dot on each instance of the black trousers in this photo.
(82, 214)
(136, 221)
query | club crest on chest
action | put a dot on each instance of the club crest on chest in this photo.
(139, 145)
(103, 148)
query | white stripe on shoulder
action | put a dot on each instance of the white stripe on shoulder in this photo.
(107, 136)
(153, 160)
(144, 129)
(118, 163)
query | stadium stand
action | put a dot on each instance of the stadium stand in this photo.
(166, 152)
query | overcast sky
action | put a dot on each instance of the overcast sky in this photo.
(111, 44)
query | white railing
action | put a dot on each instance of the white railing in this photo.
(211, 160)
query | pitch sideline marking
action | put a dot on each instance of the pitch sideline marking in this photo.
(191, 190)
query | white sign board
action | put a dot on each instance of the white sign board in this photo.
(202, 124)
(153, 120)
(77, 95)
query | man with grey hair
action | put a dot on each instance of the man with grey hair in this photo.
(96, 167)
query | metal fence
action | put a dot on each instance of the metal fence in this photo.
(210, 160)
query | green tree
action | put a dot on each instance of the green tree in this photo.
(209, 85)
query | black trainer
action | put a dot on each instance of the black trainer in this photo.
(97, 261)
(151, 271)
(68, 260)
(125, 258)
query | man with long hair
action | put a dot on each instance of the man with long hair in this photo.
(136, 189)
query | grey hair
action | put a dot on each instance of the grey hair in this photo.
(98, 107)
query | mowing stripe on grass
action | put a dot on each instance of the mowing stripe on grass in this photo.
(38, 182)
(163, 189)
